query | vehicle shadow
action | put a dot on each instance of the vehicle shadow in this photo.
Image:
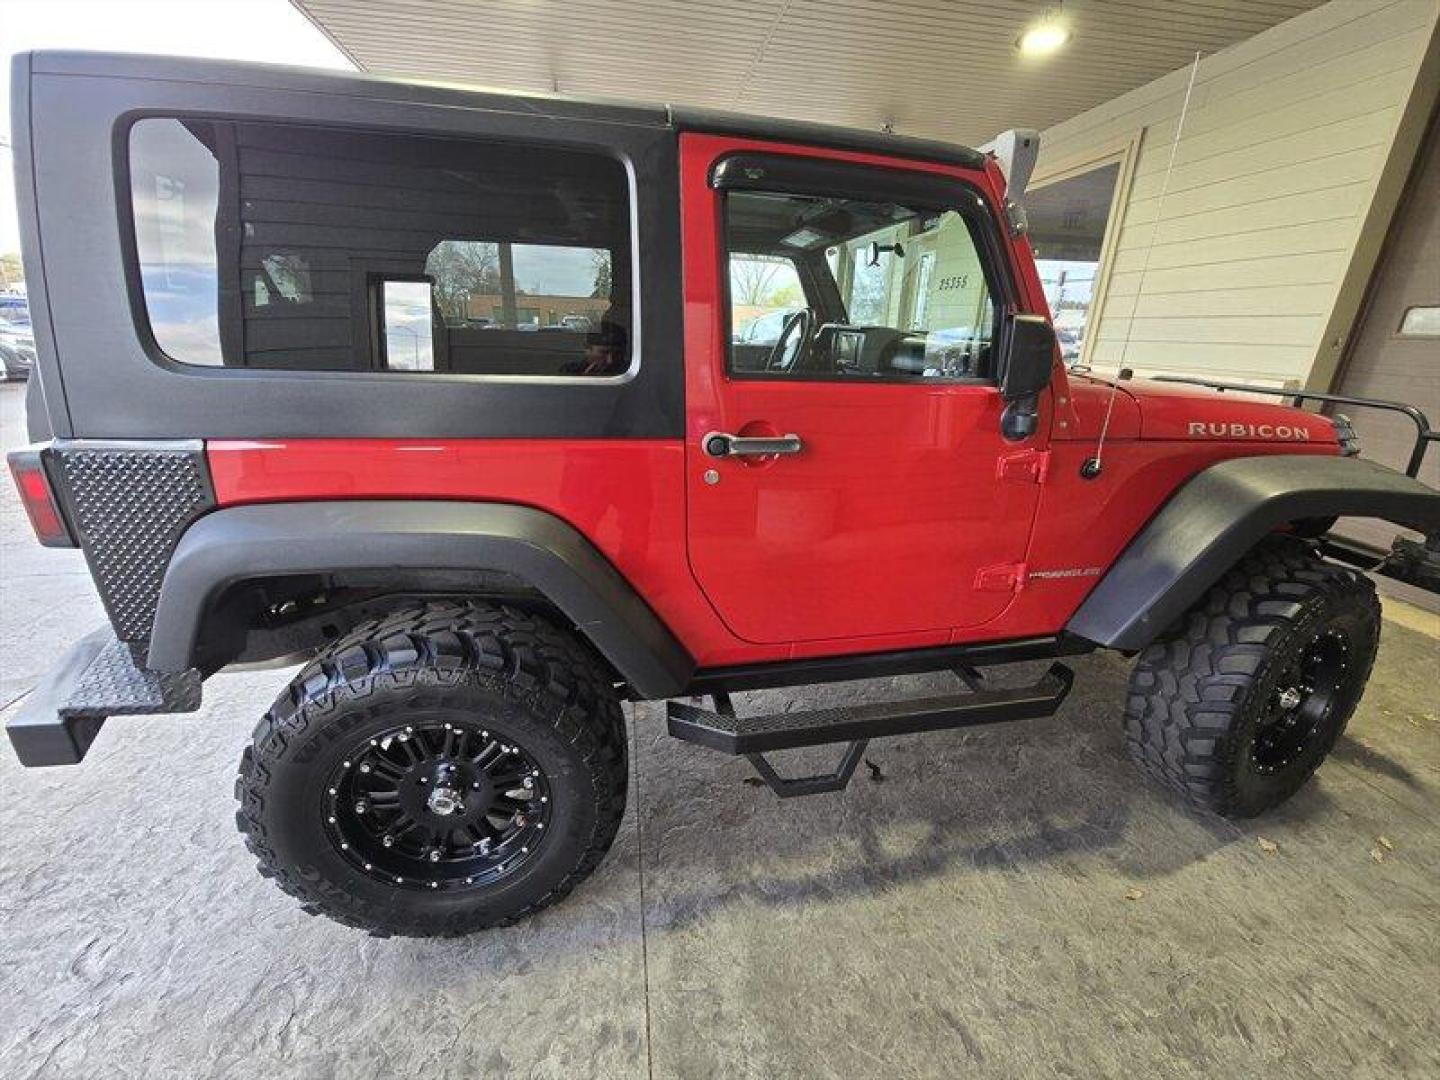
(1053, 797)
(1349, 750)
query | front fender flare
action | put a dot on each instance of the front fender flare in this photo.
(1220, 514)
(276, 539)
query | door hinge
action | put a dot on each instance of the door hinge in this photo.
(1026, 466)
(1007, 577)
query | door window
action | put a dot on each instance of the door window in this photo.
(837, 288)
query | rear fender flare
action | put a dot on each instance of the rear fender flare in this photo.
(242, 543)
(1220, 514)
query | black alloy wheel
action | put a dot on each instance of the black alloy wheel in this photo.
(438, 805)
(1307, 692)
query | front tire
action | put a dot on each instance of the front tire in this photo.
(448, 768)
(1236, 706)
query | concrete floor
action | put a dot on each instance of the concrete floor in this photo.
(967, 915)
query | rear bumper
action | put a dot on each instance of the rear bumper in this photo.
(98, 678)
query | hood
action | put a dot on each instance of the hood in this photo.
(1175, 411)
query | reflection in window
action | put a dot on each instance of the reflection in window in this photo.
(175, 187)
(548, 287)
(1067, 231)
(763, 290)
(405, 312)
(282, 279)
(317, 249)
(831, 287)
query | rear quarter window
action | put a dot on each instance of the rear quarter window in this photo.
(283, 246)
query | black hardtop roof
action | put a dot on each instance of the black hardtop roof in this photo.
(557, 106)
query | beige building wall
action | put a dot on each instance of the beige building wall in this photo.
(1279, 161)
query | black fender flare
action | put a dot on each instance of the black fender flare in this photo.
(276, 539)
(1221, 513)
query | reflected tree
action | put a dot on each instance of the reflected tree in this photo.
(600, 259)
(460, 269)
(754, 278)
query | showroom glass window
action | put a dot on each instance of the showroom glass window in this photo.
(879, 291)
(1067, 220)
(282, 246)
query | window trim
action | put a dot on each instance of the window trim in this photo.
(121, 131)
(1124, 151)
(784, 174)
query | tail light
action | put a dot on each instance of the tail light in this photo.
(39, 499)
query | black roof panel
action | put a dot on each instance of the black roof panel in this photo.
(358, 84)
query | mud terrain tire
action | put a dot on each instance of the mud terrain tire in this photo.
(539, 693)
(1236, 706)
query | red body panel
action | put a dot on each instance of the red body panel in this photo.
(1088, 403)
(1083, 524)
(1177, 411)
(907, 521)
(627, 496)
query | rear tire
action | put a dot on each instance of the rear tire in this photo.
(1236, 706)
(448, 768)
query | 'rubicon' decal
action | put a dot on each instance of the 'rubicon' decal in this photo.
(1224, 430)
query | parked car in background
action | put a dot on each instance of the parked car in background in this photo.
(1071, 338)
(762, 330)
(17, 339)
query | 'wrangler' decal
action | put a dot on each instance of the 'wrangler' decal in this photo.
(1253, 431)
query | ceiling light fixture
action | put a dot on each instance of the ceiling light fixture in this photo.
(1047, 35)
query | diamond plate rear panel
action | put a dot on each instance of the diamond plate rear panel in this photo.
(129, 503)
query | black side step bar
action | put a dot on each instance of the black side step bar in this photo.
(754, 736)
(788, 787)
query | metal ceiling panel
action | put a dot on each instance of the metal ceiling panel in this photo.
(943, 69)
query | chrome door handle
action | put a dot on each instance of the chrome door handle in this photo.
(718, 444)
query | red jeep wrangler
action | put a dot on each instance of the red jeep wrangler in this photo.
(496, 411)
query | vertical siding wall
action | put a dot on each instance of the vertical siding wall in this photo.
(1278, 161)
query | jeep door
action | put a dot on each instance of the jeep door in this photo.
(892, 511)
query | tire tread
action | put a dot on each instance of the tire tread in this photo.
(1190, 686)
(441, 643)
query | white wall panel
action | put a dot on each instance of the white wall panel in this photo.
(1278, 164)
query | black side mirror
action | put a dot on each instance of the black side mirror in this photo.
(1025, 371)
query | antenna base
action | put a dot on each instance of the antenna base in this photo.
(1090, 468)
